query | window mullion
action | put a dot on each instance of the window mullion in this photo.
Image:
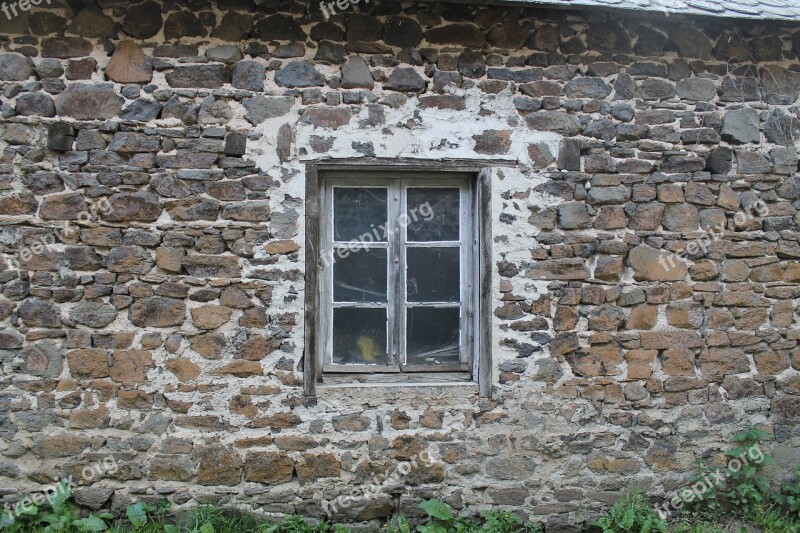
(395, 273)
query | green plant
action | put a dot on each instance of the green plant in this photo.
(790, 495)
(770, 520)
(62, 516)
(397, 525)
(505, 522)
(704, 504)
(749, 489)
(631, 513)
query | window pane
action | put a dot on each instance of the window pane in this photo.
(359, 336)
(433, 336)
(360, 276)
(433, 275)
(359, 212)
(433, 214)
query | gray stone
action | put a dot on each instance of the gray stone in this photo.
(569, 154)
(94, 314)
(199, 76)
(66, 47)
(141, 110)
(280, 28)
(655, 89)
(555, 121)
(49, 68)
(143, 21)
(587, 88)
(740, 126)
(405, 80)
(608, 195)
(89, 101)
(356, 74)
(753, 162)
(35, 104)
(720, 161)
(40, 314)
(781, 128)
(690, 42)
(235, 144)
(234, 27)
(224, 54)
(249, 75)
(15, 67)
(403, 32)
(327, 52)
(608, 37)
(574, 216)
(43, 359)
(183, 24)
(680, 217)
(299, 74)
(260, 108)
(697, 89)
(94, 497)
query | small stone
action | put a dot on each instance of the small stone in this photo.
(466, 35)
(15, 67)
(654, 265)
(587, 88)
(210, 316)
(249, 75)
(89, 101)
(697, 89)
(129, 64)
(94, 314)
(280, 28)
(228, 54)
(405, 80)
(157, 312)
(690, 42)
(143, 21)
(260, 108)
(66, 47)
(402, 32)
(741, 126)
(43, 359)
(209, 76)
(35, 104)
(356, 74)
(183, 24)
(299, 74)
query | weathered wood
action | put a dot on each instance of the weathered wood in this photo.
(484, 214)
(310, 355)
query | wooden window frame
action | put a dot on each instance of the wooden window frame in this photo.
(479, 298)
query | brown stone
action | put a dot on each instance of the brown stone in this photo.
(352, 422)
(316, 466)
(771, 363)
(129, 64)
(241, 369)
(277, 421)
(235, 297)
(131, 365)
(602, 360)
(88, 363)
(650, 264)
(218, 466)
(326, 117)
(63, 206)
(716, 363)
(209, 345)
(559, 269)
(642, 317)
(183, 368)
(678, 362)
(50, 446)
(281, 247)
(640, 363)
(493, 142)
(170, 259)
(157, 312)
(210, 316)
(210, 266)
(18, 204)
(665, 340)
(129, 260)
(270, 468)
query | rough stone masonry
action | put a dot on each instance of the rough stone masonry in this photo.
(167, 331)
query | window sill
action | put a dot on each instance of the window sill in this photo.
(397, 379)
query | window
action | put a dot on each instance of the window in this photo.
(395, 276)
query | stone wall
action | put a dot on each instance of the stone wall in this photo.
(152, 174)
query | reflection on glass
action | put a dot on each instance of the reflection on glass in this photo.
(360, 276)
(359, 336)
(432, 214)
(358, 211)
(433, 274)
(433, 335)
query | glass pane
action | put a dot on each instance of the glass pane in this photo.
(359, 214)
(359, 336)
(432, 214)
(360, 276)
(433, 275)
(433, 335)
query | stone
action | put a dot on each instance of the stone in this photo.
(228, 54)
(157, 312)
(780, 128)
(402, 32)
(574, 216)
(88, 363)
(140, 206)
(609, 38)
(129, 64)
(649, 264)
(780, 86)
(716, 363)
(249, 75)
(212, 266)
(654, 89)
(696, 89)
(60, 444)
(690, 42)
(129, 260)
(260, 108)
(356, 74)
(94, 497)
(602, 360)
(405, 80)
(315, 466)
(466, 35)
(15, 67)
(183, 24)
(720, 161)
(680, 217)
(92, 22)
(587, 88)
(555, 121)
(94, 314)
(43, 359)
(211, 76)
(493, 142)
(210, 316)
(10, 340)
(66, 47)
(299, 74)
(143, 21)
(741, 126)
(218, 466)
(63, 206)
(280, 28)
(35, 104)
(559, 269)
(471, 64)
(89, 101)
